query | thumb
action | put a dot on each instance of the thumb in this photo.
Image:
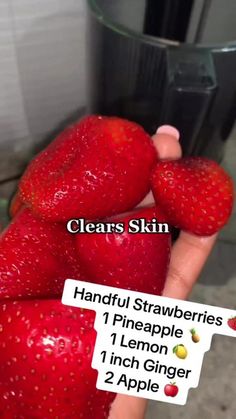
(166, 142)
(128, 407)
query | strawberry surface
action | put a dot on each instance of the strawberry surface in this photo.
(97, 167)
(36, 258)
(45, 372)
(195, 193)
(16, 205)
(132, 261)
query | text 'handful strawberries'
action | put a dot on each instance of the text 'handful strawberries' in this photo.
(195, 193)
(97, 167)
(45, 371)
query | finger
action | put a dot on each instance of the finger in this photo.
(166, 142)
(128, 407)
(188, 256)
(190, 252)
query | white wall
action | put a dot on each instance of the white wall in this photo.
(219, 21)
(129, 13)
(42, 71)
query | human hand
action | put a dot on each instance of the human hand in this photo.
(188, 257)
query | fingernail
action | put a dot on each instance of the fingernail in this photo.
(168, 130)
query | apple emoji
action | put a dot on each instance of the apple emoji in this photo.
(171, 390)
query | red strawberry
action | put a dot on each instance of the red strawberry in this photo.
(36, 257)
(95, 168)
(232, 323)
(16, 205)
(45, 371)
(195, 193)
(132, 261)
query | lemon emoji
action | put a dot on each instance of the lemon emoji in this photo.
(180, 351)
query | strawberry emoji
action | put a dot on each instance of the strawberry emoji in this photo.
(132, 261)
(97, 167)
(195, 193)
(36, 257)
(45, 371)
(232, 323)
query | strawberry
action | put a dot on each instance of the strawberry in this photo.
(132, 261)
(195, 193)
(45, 372)
(36, 257)
(97, 167)
(232, 323)
(16, 205)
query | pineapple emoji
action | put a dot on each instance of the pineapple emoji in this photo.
(195, 336)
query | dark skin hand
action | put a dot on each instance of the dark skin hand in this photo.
(188, 257)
